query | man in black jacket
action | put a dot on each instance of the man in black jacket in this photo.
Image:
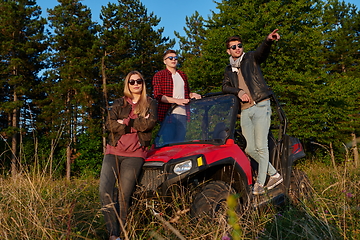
(243, 78)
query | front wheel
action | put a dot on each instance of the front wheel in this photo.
(211, 200)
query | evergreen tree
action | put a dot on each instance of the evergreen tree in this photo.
(342, 64)
(22, 42)
(343, 35)
(191, 52)
(316, 40)
(191, 44)
(129, 41)
(72, 83)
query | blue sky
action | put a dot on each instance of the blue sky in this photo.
(172, 14)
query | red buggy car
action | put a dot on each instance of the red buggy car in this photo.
(210, 160)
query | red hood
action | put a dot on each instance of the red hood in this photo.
(212, 154)
(165, 154)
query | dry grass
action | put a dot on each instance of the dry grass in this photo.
(337, 197)
(42, 208)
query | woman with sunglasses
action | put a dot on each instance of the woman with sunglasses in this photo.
(129, 124)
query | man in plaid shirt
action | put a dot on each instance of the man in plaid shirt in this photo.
(171, 86)
(165, 91)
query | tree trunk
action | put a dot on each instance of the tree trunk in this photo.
(355, 149)
(51, 158)
(332, 155)
(14, 122)
(68, 162)
(105, 100)
(68, 148)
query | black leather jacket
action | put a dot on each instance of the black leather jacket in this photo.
(143, 125)
(251, 71)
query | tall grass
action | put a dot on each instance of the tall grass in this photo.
(336, 197)
(39, 207)
(42, 208)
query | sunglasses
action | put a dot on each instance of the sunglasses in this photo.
(233, 47)
(138, 81)
(172, 58)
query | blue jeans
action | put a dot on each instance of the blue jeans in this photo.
(255, 125)
(123, 172)
(175, 130)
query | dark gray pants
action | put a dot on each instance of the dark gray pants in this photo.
(117, 181)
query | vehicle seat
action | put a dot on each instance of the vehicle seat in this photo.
(220, 131)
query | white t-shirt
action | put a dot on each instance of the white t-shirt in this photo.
(178, 92)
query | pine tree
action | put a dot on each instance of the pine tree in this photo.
(191, 52)
(343, 22)
(342, 63)
(317, 40)
(22, 42)
(129, 41)
(191, 44)
(72, 84)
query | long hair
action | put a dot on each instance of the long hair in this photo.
(142, 104)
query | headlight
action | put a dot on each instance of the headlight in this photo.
(183, 167)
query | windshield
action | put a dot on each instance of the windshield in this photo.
(210, 119)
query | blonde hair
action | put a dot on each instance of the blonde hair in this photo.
(142, 104)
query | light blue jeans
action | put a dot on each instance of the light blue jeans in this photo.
(255, 125)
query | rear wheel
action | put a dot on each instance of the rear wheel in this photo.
(300, 187)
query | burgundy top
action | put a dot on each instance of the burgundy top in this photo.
(128, 144)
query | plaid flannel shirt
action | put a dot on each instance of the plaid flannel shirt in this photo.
(163, 85)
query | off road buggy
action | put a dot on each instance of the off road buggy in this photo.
(209, 158)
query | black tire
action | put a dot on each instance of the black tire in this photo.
(211, 200)
(300, 187)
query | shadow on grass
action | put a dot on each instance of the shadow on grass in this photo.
(297, 222)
